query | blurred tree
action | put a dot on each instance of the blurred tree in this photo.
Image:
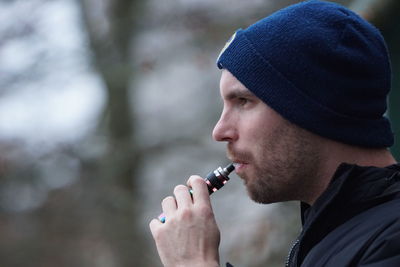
(111, 26)
(95, 220)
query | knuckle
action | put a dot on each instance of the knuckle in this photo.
(167, 199)
(197, 180)
(186, 214)
(179, 188)
(172, 221)
(205, 211)
(193, 179)
(152, 223)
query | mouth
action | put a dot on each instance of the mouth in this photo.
(239, 166)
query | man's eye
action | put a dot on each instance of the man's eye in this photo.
(242, 101)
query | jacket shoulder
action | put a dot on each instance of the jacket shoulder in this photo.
(372, 238)
(385, 248)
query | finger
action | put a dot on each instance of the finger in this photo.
(182, 196)
(154, 225)
(155, 229)
(200, 189)
(168, 206)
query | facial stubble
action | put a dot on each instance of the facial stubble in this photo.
(286, 166)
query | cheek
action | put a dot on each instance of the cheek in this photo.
(256, 130)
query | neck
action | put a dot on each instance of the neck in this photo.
(336, 153)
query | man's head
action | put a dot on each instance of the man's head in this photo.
(272, 155)
(321, 67)
(311, 72)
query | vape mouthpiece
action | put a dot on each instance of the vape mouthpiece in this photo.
(228, 169)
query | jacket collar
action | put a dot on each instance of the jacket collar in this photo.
(352, 190)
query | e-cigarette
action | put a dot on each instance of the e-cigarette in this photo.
(214, 180)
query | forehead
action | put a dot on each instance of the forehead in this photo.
(231, 87)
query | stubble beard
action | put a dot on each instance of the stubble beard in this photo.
(285, 168)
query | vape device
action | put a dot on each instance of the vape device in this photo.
(214, 180)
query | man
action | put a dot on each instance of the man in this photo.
(304, 94)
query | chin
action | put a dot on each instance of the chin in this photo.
(262, 200)
(256, 196)
(262, 195)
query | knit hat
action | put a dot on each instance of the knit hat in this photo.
(320, 66)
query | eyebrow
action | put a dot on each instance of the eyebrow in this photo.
(238, 93)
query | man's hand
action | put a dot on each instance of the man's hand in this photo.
(190, 235)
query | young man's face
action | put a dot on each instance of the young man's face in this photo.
(276, 159)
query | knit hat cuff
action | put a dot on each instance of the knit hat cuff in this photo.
(267, 83)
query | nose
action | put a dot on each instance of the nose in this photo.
(225, 130)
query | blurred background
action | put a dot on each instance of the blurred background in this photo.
(106, 105)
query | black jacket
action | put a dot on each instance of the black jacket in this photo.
(355, 222)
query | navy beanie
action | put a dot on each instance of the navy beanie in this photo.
(320, 66)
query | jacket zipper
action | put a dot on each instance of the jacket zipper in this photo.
(289, 257)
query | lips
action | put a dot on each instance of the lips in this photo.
(240, 159)
(239, 165)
